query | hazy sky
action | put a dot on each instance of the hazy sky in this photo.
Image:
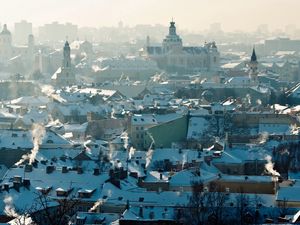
(189, 14)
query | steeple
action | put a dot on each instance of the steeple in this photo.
(253, 65)
(253, 56)
(172, 28)
(67, 55)
(5, 30)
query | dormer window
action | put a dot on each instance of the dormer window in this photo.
(60, 192)
(85, 193)
(44, 190)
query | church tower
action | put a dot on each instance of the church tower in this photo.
(172, 41)
(253, 64)
(5, 44)
(65, 76)
(67, 56)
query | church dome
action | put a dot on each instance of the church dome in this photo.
(5, 31)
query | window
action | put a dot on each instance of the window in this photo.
(137, 128)
(137, 136)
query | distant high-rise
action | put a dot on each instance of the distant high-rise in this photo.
(22, 30)
(57, 32)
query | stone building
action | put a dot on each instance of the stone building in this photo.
(174, 57)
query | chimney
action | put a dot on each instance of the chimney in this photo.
(79, 170)
(141, 212)
(26, 182)
(28, 168)
(17, 179)
(16, 186)
(140, 181)
(111, 173)
(6, 187)
(35, 164)
(64, 169)
(50, 169)
(96, 171)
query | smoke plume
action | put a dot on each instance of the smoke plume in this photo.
(38, 132)
(150, 151)
(9, 208)
(270, 166)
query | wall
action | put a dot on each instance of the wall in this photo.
(166, 133)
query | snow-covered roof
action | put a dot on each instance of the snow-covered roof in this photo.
(197, 127)
(31, 100)
(138, 119)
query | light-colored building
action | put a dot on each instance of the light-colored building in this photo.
(174, 57)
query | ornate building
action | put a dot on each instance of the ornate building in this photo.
(65, 76)
(13, 55)
(6, 49)
(174, 57)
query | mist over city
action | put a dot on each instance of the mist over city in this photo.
(148, 112)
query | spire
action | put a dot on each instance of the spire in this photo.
(253, 56)
(172, 28)
(67, 57)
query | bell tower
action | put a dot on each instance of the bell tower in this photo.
(67, 56)
(253, 64)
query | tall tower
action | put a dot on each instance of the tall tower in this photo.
(30, 51)
(65, 76)
(172, 41)
(5, 44)
(253, 64)
(67, 56)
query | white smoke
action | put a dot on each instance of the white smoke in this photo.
(131, 152)
(293, 129)
(184, 160)
(150, 151)
(87, 148)
(96, 206)
(125, 138)
(270, 166)
(9, 208)
(38, 132)
(47, 89)
(24, 157)
(263, 137)
(248, 99)
(258, 102)
(112, 114)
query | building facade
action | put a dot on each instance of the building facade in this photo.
(174, 57)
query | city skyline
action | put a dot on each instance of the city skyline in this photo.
(97, 13)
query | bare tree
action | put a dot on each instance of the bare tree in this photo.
(206, 206)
